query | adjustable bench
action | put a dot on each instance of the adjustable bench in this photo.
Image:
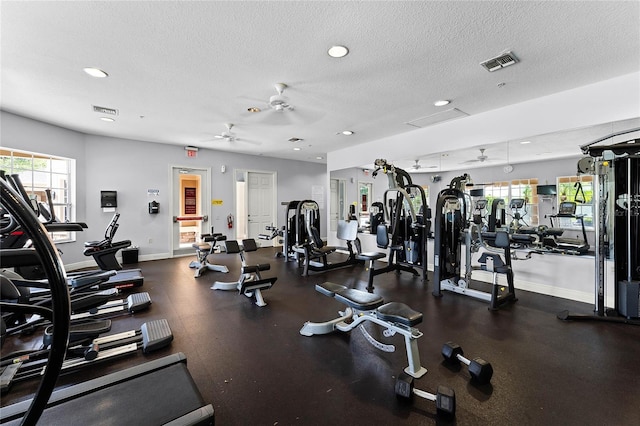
(203, 250)
(250, 282)
(395, 317)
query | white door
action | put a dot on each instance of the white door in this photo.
(190, 208)
(260, 205)
(333, 209)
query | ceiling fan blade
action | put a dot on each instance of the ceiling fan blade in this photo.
(243, 140)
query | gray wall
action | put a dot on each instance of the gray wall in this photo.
(132, 167)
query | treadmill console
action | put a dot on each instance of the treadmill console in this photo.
(567, 208)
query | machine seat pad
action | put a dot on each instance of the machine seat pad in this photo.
(399, 313)
(251, 269)
(201, 246)
(498, 264)
(211, 237)
(358, 299)
(372, 255)
(106, 247)
(323, 250)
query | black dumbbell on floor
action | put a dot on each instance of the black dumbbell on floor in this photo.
(480, 370)
(445, 398)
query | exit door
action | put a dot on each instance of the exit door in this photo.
(190, 208)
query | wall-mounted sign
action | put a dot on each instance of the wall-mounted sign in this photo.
(216, 202)
(190, 201)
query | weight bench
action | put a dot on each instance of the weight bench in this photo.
(250, 282)
(203, 250)
(395, 317)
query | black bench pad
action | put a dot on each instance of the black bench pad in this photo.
(329, 289)
(399, 313)
(356, 299)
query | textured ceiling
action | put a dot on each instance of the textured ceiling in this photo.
(178, 71)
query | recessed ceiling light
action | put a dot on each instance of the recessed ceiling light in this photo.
(442, 102)
(95, 72)
(338, 51)
(297, 148)
(525, 142)
(347, 132)
(319, 158)
(254, 109)
(109, 119)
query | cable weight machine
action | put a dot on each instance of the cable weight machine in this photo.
(615, 166)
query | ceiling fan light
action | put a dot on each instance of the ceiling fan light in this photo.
(95, 72)
(338, 51)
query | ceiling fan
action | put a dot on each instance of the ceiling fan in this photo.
(416, 166)
(280, 102)
(480, 158)
(229, 136)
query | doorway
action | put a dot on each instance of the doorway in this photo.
(337, 209)
(190, 207)
(255, 205)
(365, 198)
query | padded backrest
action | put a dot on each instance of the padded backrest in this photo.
(315, 237)
(502, 239)
(249, 244)
(382, 237)
(110, 232)
(232, 246)
(347, 231)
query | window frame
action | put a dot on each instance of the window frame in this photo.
(36, 179)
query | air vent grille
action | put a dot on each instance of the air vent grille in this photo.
(105, 110)
(499, 62)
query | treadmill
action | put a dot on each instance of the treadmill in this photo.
(157, 392)
(567, 209)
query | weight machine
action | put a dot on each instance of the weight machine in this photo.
(406, 235)
(615, 166)
(453, 227)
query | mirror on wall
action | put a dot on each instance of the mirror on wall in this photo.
(365, 198)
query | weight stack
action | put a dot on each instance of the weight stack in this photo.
(629, 299)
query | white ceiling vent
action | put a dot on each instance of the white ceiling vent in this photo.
(105, 110)
(502, 61)
(438, 117)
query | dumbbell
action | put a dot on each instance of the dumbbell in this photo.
(445, 399)
(480, 370)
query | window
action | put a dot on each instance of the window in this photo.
(523, 188)
(581, 194)
(520, 188)
(39, 172)
(496, 190)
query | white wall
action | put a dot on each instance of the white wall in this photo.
(132, 167)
